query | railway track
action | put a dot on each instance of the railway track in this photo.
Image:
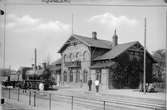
(113, 103)
(131, 101)
(97, 102)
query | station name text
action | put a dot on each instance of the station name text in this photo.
(56, 1)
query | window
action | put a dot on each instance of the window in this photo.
(70, 57)
(86, 56)
(65, 58)
(77, 76)
(73, 57)
(71, 76)
(65, 76)
(85, 75)
(77, 56)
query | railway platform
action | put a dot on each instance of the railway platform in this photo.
(129, 96)
(82, 99)
(132, 93)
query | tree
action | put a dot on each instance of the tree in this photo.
(159, 67)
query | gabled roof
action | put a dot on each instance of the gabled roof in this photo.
(58, 61)
(102, 65)
(119, 49)
(115, 51)
(56, 65)
(89, 42)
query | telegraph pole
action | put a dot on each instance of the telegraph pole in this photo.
(2, 99)
(166, 60)
(4, 37)
(2, 13)
(144, 76)
(72, 28)
(35, 58)
(35, 62)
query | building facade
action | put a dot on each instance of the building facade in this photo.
(55, 69)
(76, 61)
(90, 57)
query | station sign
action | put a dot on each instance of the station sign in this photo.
(56, 1)
(73, 64)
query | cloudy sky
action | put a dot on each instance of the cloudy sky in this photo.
(47, 27)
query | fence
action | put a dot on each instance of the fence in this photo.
(53, 101)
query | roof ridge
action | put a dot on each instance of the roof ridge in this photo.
(128, 42)
(118, 48)
(99, 43)
(90, 37)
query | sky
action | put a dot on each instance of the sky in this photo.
(47, 27)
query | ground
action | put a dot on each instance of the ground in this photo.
(82, 99)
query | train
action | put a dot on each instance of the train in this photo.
(38, 78)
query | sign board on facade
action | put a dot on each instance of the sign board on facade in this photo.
(73, 64)
(56, 1)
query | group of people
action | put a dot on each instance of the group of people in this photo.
(96, 84)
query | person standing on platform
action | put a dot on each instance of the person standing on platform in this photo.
(90, 84)
(81, 83)
(97, 85)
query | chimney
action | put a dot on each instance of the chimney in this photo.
(44, 65)
(115, 39)
(33, 66)
(94, 35)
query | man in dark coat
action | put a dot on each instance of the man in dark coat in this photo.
(90, 84)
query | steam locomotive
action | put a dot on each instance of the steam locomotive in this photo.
(33, 78)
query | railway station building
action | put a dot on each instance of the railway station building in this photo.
(84, 57)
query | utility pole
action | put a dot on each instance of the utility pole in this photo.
(2, 99)
(144, 75)
(4, 37)
(35, 62)
(72, 28)
(166, 60)
(35, 58)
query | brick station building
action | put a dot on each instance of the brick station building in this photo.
(90, 57)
